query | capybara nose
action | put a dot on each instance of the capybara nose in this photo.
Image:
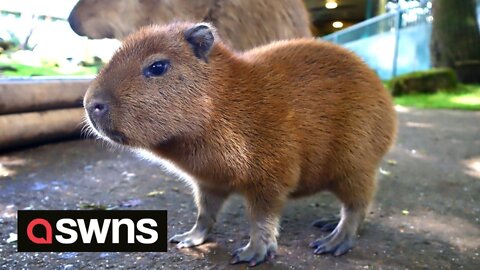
(97, 110)
(72, 20)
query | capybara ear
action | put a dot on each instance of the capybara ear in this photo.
(201, 38)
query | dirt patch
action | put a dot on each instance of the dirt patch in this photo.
(426, 213)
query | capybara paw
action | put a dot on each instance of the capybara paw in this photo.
(189, 239)
(326, 225)
(335, 243)
(254, 254)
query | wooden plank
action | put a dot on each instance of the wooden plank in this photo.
(30, 95)
(17, 130)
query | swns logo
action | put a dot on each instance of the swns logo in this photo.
(97, 231)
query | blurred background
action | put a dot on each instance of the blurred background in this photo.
(36, 40)
(427, 52)
(393, 36)
(427, 211)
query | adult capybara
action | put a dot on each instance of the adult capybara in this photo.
(281, 121)
(243, 24)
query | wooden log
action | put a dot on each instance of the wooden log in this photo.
(29, 95)
(24, 129)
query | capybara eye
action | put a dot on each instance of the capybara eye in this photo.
(156, 69)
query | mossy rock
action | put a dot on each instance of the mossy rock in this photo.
(430, 81)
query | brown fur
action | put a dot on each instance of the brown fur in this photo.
(281, 121)
(243, 24)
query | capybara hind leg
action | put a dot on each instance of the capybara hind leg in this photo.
(356, 197)
(208, 204)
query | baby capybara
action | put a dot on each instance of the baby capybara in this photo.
(281, 121)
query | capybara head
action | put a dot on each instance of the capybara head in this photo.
(242, 24)
(98, 19)
(118, 18)
(157, 86)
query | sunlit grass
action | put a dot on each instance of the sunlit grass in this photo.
(465, 97)
(26, 70)
(26, 64)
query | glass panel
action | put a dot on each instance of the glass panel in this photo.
(375, 41)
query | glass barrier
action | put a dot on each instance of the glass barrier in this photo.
(392, 44)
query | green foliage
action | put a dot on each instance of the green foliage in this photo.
(19, 70)
(429, 81)
(96, 62)
(463, 97)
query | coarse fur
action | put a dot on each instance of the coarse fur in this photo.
(243, 24)
(281, 121)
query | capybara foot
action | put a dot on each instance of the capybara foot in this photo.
(254, 254)
(337, 243)
(342, 239)
(189, 239)
(326, 225)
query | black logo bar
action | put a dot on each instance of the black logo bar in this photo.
(92, 231)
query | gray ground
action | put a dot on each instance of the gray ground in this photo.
(426, 213)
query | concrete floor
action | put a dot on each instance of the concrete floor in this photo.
(426, 214)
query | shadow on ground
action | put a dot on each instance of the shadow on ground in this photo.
(426, 214)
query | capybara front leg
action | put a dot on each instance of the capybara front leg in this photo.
(264, 213)
(208, 203)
